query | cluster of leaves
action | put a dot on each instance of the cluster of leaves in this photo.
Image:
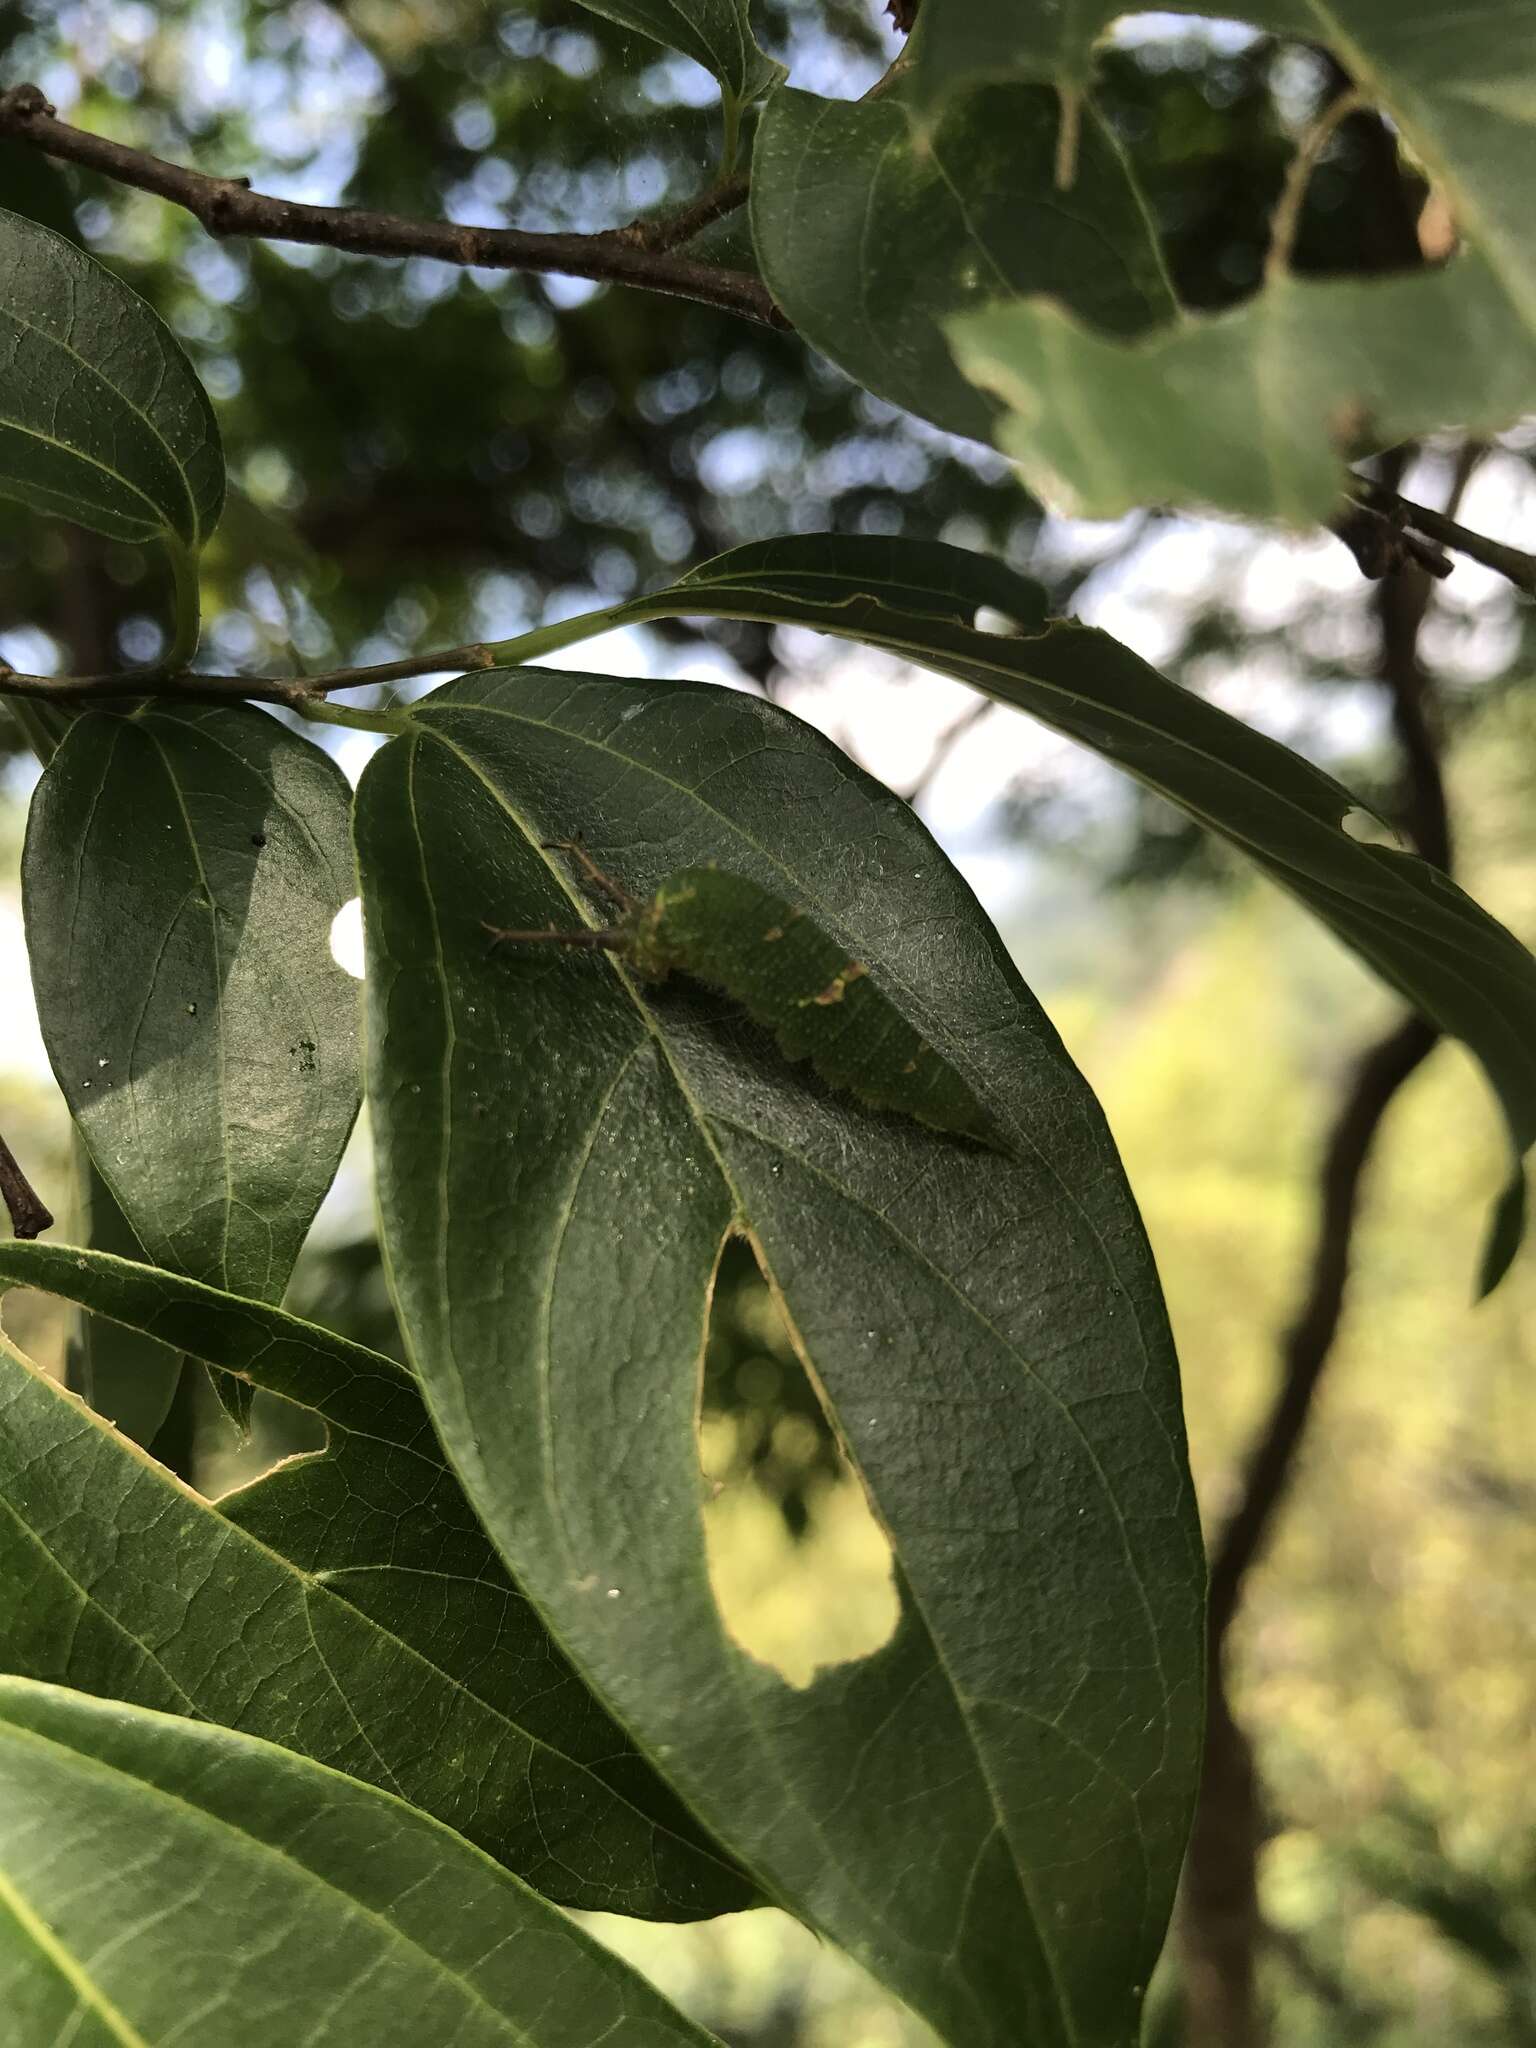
(396, 1697)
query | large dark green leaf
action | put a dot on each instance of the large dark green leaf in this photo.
(181, 874)
(1253, 412)
(990, 1812)
(1409, 921)
(164, 1883)
(102, 418)
(871, 239)
(347, 1605)
(715, 33)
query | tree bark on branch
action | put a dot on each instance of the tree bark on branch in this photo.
(643, 254)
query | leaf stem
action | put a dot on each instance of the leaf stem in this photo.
(730, 141)
(1513, 563)
(187, 616)
(322, 713)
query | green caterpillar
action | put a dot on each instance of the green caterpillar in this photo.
(789, 976)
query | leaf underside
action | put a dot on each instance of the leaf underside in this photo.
(102, 419)
(346, 1605)
(182, 871)
(1254, 411)
(990, 1812)
(871, 241)
(715, 33)
(162, 1881)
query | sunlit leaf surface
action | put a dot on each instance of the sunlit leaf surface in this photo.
(346, 1605)
(163, 1882)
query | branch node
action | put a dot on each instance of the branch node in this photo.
(26, 102)
(1382, 545)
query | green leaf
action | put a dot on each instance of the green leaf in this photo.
(957, 43)
(162, 1882)
(989, 1812)
(102, 418)
(347, 1605)
(715, 33)
(1460, 87)
(181, 874)
(1254, 412)
(1409, 921)
(870, 239)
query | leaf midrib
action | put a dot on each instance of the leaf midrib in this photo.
(88, 1995)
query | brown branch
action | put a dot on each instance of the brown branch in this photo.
(1513, 563)
(228, 207)
(29, 1214)
(1378, 1075)
(1381, 544)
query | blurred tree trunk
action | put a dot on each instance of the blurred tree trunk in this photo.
(1221, 1924)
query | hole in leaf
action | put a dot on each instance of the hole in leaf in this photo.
(988, 619)
(799, 1566)
(347, 938)
(1369, 830)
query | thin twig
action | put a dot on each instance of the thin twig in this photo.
(1382, 545)
(228, 207)
(944, 747)
(29, 1214)
(671, 230)
(305, 692)
(1512, 563)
